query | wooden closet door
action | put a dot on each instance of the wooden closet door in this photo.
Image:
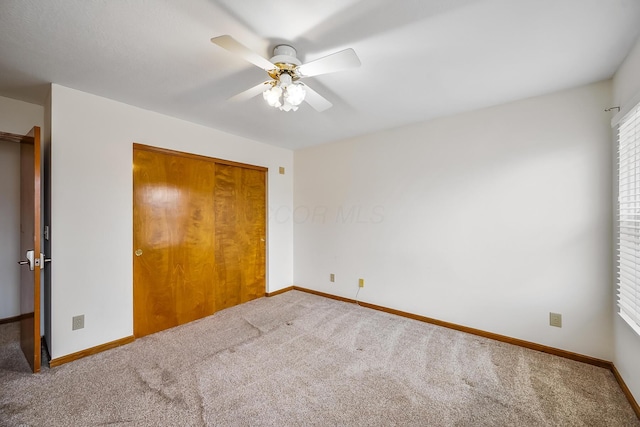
(240, 224)
(173, 235)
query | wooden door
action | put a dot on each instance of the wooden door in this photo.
(30, 241)
(240, 224)
(199, 227)
(173, 239)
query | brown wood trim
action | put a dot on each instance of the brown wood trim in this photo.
(12, 137)
(322, 294)
(138, 146)
(15, 318)
(515, 341)
(278, 292)
(90, 351)
(626, 391)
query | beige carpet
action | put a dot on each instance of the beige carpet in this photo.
(302, 360)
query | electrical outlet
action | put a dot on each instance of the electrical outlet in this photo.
(361, 283)
(555, 319)
(332, 277)
(77, 322)
(281, 170)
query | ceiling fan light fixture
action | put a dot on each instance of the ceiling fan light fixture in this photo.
(295, 94)
(272, 96)
(284, 94)
(288, 107)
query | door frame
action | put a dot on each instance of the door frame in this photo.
(137, 146)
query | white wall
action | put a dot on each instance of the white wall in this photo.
(15, 117)
(19, 117)
(91, 194)
(489, 219)
(626, 87)
(9, 229)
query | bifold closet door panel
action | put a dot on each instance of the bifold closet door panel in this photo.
(173, 236)
(240, 227)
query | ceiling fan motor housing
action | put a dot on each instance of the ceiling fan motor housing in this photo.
(284, 57)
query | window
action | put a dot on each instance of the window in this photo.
(629, 218)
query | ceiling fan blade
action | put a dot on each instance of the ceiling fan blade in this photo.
(250, 93)
(338, 61)
(234, 46)
(317, 101)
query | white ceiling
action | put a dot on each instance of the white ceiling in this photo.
(420, 58)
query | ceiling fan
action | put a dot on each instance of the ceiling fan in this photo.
(284, 90)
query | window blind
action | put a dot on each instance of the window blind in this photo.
(629, 218)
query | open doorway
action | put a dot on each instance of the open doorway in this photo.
(22, 259)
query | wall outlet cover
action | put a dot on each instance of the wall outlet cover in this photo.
(77, 322)
(555, 319)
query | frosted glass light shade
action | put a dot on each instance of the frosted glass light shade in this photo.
(272, 96)
(295, 94)
(285, 94)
